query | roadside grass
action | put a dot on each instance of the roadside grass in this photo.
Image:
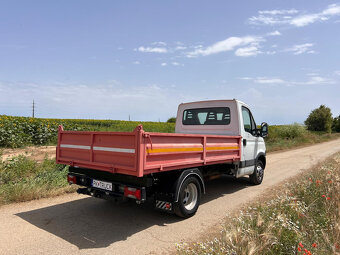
(295, 135)
(23, 179)
(303, 218)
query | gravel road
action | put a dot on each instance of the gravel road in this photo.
(77, 224)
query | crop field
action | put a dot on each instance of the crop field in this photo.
(16, 132)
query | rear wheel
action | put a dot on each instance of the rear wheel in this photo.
(257, 177)
(189, 198)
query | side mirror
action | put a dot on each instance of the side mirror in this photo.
(264, 129)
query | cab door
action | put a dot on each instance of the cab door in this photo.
(249, 142)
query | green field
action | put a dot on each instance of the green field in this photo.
(18, 132)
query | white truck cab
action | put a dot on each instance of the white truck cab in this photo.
(231, 118)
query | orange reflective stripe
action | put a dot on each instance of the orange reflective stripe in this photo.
(190, 149)
(173, 150)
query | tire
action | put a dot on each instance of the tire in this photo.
(189, 198)
(257, 177)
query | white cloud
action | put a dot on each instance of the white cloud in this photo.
(272, 52)
(280, 12)
(316, 80)
(301, 48)
(293, 17)
(304, 20)
(245, 78)
(266, 80)
(333, 9)
(247, 51)
(159, 43)
(274, 17)
(177, 64)
(197, 46)
(152, 49)
(180, 48)
(164, 64)
(312, 74)
(274, 33)
(337, 73)
(312, 80)
(226, 45)
(136, 62)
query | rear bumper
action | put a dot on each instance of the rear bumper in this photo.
(118, 188)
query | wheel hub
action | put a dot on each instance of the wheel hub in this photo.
(259, 172)
(190, 196)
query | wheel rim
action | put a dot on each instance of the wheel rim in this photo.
(259, 172)
(190, 196)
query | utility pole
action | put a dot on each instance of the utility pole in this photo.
(33, 108)
(129, 118)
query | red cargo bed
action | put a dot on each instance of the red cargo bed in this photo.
(139, 153)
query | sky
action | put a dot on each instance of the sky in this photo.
(140, 59)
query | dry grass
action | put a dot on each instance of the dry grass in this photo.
(303, 219)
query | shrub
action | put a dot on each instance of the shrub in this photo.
(320, 119)
(288, 131)
(171, 120)
(336, 124)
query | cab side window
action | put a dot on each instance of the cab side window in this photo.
(248, 121)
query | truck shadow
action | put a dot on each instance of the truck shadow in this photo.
(96, 223)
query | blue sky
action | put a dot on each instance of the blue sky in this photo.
(111, 59)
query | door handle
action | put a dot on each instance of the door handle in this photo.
(244, 142)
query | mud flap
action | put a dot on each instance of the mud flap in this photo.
(164, 202)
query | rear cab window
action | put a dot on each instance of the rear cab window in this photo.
(207, 116)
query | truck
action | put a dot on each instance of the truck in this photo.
(211, 139)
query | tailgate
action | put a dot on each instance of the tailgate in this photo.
(115, 152)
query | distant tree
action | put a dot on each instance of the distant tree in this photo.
(172, 120)
(336, 124)
(320, 119)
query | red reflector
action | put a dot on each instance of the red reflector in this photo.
(167, 205)
(71, 179)
(132, 193)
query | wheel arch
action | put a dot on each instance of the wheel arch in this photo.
(262, 157)
(195, 172)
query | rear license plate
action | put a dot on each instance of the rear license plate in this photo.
(102, 185)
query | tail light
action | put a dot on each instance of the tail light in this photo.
(71, 179)
(132, 193)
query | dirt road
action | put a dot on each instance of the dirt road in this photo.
(76, 224)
